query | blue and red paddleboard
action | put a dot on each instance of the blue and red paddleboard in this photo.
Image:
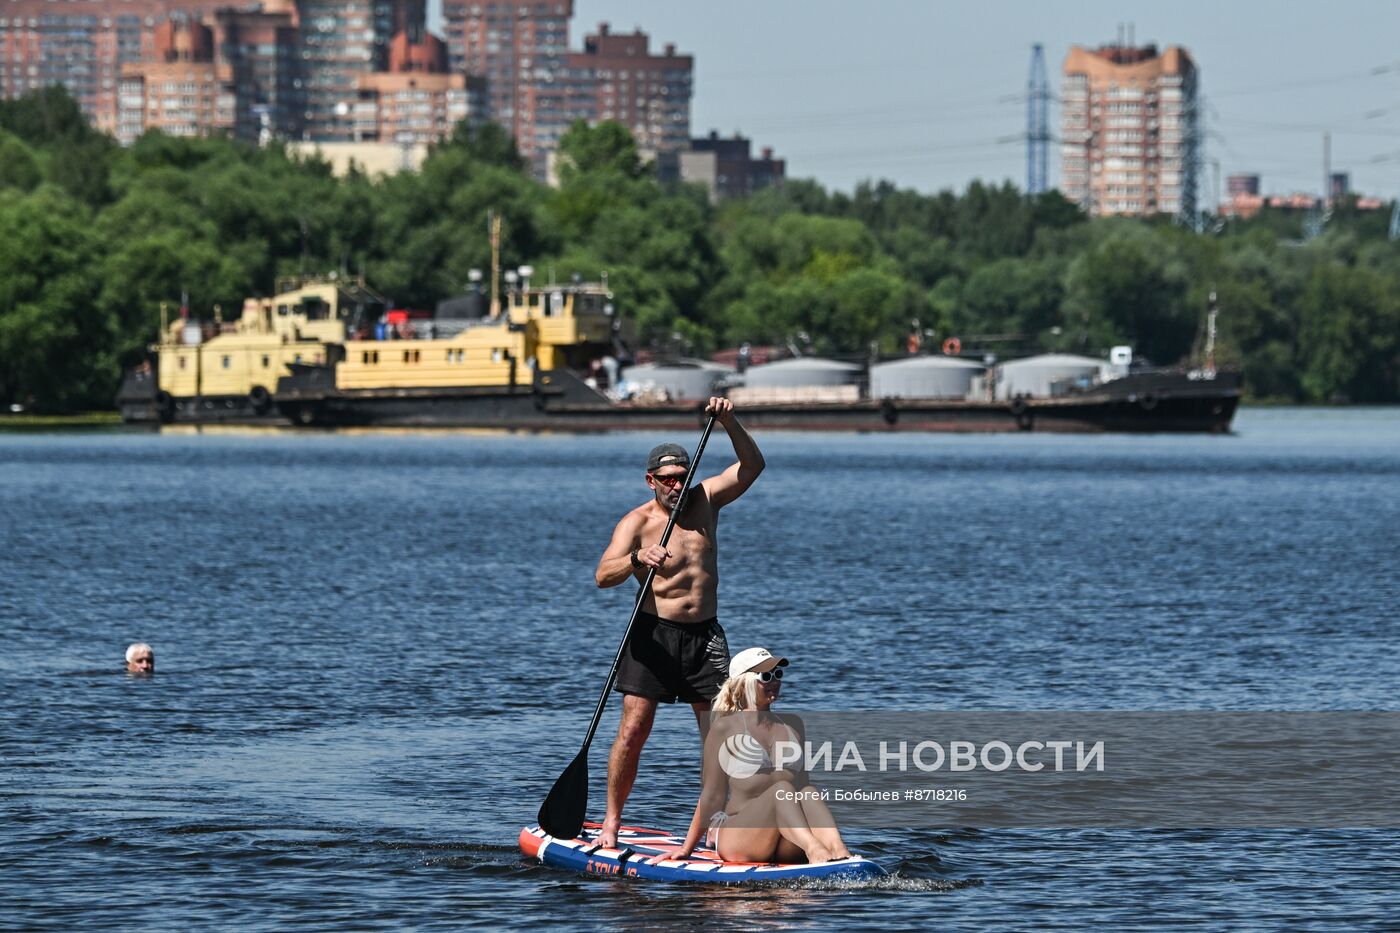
(636, 845)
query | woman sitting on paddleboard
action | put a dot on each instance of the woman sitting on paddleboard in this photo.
(749, 810)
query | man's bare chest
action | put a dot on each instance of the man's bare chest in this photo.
(690, 540)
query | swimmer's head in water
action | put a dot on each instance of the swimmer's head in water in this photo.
(140, 658)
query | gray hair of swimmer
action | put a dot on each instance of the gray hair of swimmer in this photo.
(139, 647)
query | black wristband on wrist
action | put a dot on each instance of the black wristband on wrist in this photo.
(633, 558)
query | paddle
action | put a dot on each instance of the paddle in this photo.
(561, 814)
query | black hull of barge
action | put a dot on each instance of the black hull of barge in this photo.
(521, 414)
(559, 402)
(139, 401)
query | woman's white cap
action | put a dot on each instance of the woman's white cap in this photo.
(754, 659)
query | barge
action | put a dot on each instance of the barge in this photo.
(520, 364)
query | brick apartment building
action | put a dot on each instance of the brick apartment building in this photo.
(537, 88)
(342, 41)
(82, 44)
(294, 67)
(1129, 130)
(263, 47)
(348, 71)
(616, 77)
(416, 100)
(521, 48)
(182, 92)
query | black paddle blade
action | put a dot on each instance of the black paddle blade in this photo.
(561, 814)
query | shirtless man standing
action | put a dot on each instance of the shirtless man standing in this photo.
(677, 650)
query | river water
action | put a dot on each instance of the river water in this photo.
(375, 652)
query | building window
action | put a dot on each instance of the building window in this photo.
(266, 361)
(226, 362)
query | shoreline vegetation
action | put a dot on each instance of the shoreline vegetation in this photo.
(94, 237)
(86, 419)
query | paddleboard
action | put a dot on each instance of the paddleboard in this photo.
(636, 845)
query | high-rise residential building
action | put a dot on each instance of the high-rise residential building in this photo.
(616, 77)
(325, 70)
(83, 45)
(182, 91)
(416, 100)
(1129, 130)
(258, 69)
(342, 41)
(263, 49)
(521, 48)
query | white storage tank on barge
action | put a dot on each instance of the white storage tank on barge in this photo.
(924, 377)
(1034, 375)
(806, 379)
(676, 380)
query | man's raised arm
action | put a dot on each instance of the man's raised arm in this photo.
(616, 564)
(735, 481)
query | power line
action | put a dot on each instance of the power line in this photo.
(904, 113)
(986, 159)
(1303, 83)
(997, 146)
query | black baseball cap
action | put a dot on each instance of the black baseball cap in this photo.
(667, 455)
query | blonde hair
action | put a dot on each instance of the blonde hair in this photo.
(736, 693)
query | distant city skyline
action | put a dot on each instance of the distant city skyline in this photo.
(931, 96)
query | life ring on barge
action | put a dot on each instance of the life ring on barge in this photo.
(952, 346)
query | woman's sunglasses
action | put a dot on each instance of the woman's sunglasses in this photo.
(775, 674)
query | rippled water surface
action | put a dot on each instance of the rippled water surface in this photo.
(376, 651)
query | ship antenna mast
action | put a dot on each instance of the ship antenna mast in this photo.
(494, 229)
(1210, 334)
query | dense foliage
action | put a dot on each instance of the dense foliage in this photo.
(94, 237)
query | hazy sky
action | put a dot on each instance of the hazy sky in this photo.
(931, 94)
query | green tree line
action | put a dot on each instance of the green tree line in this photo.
(93, 237)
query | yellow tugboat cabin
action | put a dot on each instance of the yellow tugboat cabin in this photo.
(544, 329)
(304, 322)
